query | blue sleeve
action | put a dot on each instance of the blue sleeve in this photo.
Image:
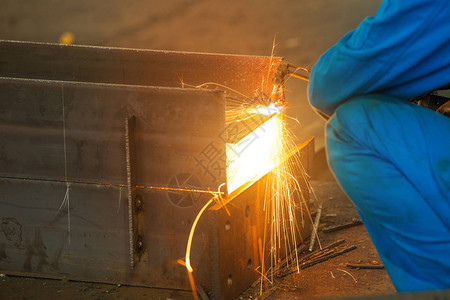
(403, 51)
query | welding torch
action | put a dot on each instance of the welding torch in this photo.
(285, 69)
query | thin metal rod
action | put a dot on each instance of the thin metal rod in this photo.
(116, 185)
(302, 77)
(315, 228)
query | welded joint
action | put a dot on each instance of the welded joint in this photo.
(135, 201)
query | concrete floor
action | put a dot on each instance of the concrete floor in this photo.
(331, 278)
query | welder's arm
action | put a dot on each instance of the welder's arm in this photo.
(403, 51)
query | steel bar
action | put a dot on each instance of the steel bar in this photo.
(267, 293)
(201, 292)
(325, 258)
(314, 233)
(320, 251)
(354, 222)
(364, 266)
(316, 261)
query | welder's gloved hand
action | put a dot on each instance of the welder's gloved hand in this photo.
(444, 109)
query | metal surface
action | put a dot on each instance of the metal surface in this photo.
(84, 197)
(169, 134)
(245, 74)
(243, 234)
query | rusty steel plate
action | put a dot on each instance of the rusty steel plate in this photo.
(245, 74)
(61, 138)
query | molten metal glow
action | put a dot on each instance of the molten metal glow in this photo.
(191, 235)
(255, 155)
(216, 196)
(270, 110)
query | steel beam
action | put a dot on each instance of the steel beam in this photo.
(245, 74)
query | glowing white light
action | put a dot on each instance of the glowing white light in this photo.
(270, 110)
(254, 155)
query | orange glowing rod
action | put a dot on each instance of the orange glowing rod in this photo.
(191, 233)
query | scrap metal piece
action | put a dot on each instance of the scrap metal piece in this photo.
(201, 292)
(314, 233)
(354, 222)
(321, 257)
(363, 266)
(267, 293)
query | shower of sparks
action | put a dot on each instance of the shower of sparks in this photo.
(273, 156)
(265, 147)
(270, 110)
(269, 150)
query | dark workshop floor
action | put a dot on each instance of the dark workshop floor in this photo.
(331, 278)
